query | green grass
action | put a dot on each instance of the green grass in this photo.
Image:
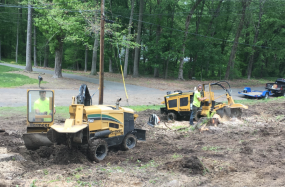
(61, 111)
(254, 101)
(4, 69)
(13, 111)
(145, 107)
(13, 61)
(13, 80)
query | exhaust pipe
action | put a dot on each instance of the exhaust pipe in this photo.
(118, 103)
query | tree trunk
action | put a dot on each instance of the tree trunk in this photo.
(246, 41)
(166, 67)
(94, 56)
(156, 72)
(127, 48)
(46, 55)
(17, 42)
(35, 47)
(29, 41)
(110, 65)
(180, 72)
(249, 68)
(58, 59)
(95, 48)
(138, 40)
(158, 32)
(86, 58)
(231, 62)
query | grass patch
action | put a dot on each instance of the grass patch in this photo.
(13, 80)
(175, 155)
(13, 61)
(210, 148)
(4, 69)
(145, 107)
(12, 111)
(61, 111)
(254, 101)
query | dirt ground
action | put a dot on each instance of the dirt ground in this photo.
(245, 152)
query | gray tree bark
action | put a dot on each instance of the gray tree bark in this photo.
(95, 48)
(158, 32)
(29, 41)
(231, 62)
(46, 55)
(110, 59)
(110, 65)
(35, 47)
(127, 48)
(86, 58)
(249, 68)
(17, 42)
(180, 71)
(94, 56)
(58, 59)
(138, 40)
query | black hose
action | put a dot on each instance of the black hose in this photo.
(218, 84)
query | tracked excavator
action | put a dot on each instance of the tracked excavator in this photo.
(98, 126)
(179, 104)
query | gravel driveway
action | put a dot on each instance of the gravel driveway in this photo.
(138, 95)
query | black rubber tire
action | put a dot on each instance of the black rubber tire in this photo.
(97, 150)
(171, 116)
(198, 115)
(129, 142)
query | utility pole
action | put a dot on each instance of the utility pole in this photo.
(101, 75)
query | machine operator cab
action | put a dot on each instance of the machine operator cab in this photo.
(40, 107)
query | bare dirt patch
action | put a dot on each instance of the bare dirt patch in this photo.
(246, 152)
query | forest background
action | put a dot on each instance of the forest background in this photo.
(207, 39)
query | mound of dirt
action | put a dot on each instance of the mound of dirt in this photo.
(188, 165)
(58, 155)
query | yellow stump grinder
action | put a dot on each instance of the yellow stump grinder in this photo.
(99, 126)
(179, 104)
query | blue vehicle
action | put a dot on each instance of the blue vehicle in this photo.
(255, 94)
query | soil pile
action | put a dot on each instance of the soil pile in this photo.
(187, 165)
(58, 155)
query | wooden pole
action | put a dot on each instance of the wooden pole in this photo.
(101, 76)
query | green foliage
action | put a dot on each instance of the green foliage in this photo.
(45, 171)
(210, 114)
(207, 47)
(33, 183)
